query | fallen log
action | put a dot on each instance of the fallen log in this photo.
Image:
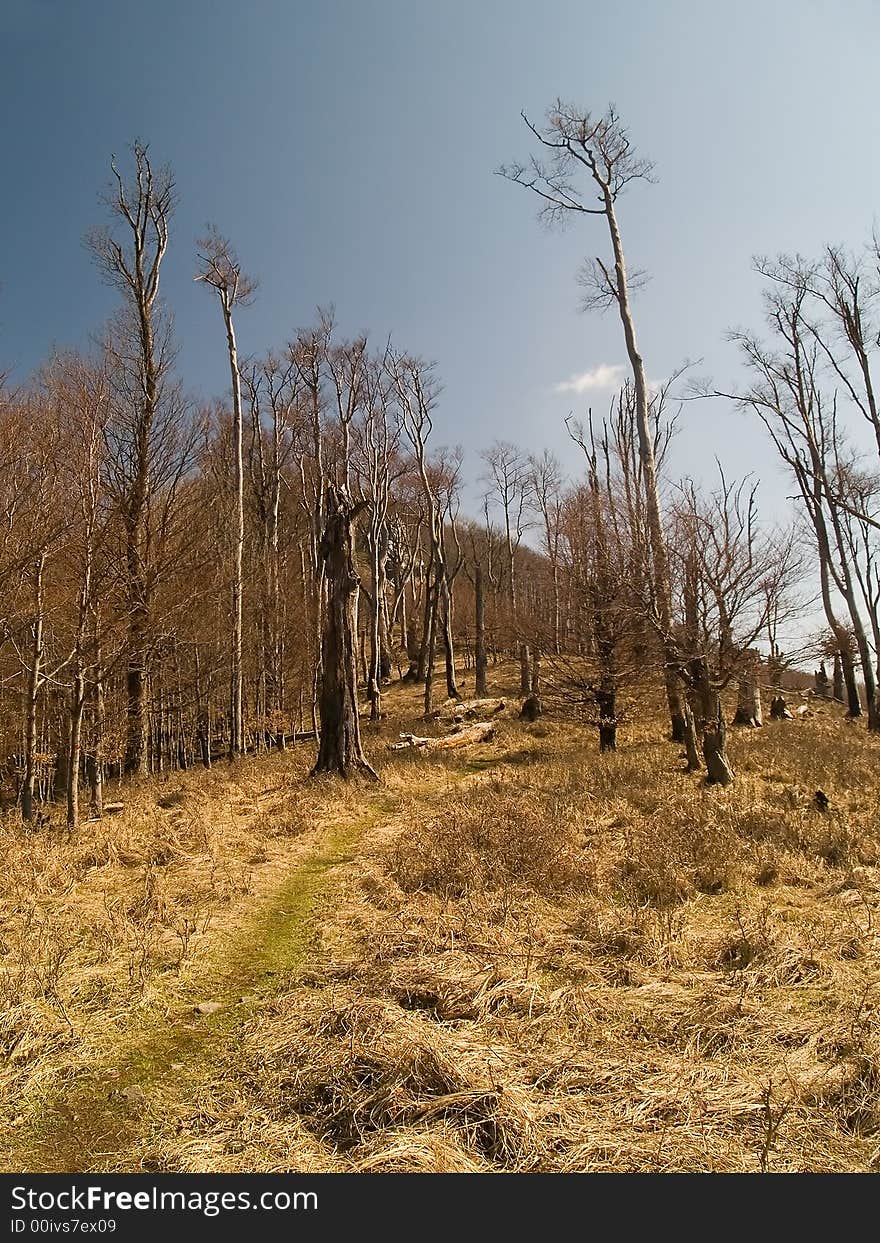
(470, 709)
(461, 736)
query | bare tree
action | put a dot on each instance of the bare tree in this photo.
(143, 207)
(509, 476)
(77, 393)
(219, 268)
(547, 483)
(417, 391)
(598, 148)
(278, 434)
(340, 750)
(801, 417)
(731, 573)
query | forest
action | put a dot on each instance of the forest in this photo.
(242, 640)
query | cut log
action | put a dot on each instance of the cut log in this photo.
(462, 736)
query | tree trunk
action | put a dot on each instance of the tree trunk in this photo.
(61, 782)
(718, 769)
(709, 721)
(480, 638)
(95, 760)
(689, 738)
(340, 749)
(236, 733)
(33, 690)
(525, 670)
(448, 648)
(837, 678)
(136, 708)
(676, 705)
(77, 706)
(430, 649)
(606, 700)
(659, 557)
(853, 698)
(748, 707)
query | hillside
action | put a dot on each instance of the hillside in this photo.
(522, 956)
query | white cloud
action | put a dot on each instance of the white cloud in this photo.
(606, 375)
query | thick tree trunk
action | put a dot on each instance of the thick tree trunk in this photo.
(709, 721)
(480, 637)
(340, 749)
(718, 769)
(606, 700)
(850, 682)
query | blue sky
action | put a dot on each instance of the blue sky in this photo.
(348, 151)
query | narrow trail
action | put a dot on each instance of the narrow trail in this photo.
(97, 1120)
(88, 1125)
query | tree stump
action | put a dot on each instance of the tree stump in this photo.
(748, 707)
(531, 709)
(779, 709)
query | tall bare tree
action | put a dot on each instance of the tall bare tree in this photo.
(142, 207)
(220, 268)
(598, 148)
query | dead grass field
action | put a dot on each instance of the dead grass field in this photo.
(523, 956)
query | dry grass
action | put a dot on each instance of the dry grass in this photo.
(538, 959)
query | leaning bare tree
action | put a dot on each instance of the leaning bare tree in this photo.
(579, 145)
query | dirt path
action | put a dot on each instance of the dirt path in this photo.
(89, 1123)
(96, 1118)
